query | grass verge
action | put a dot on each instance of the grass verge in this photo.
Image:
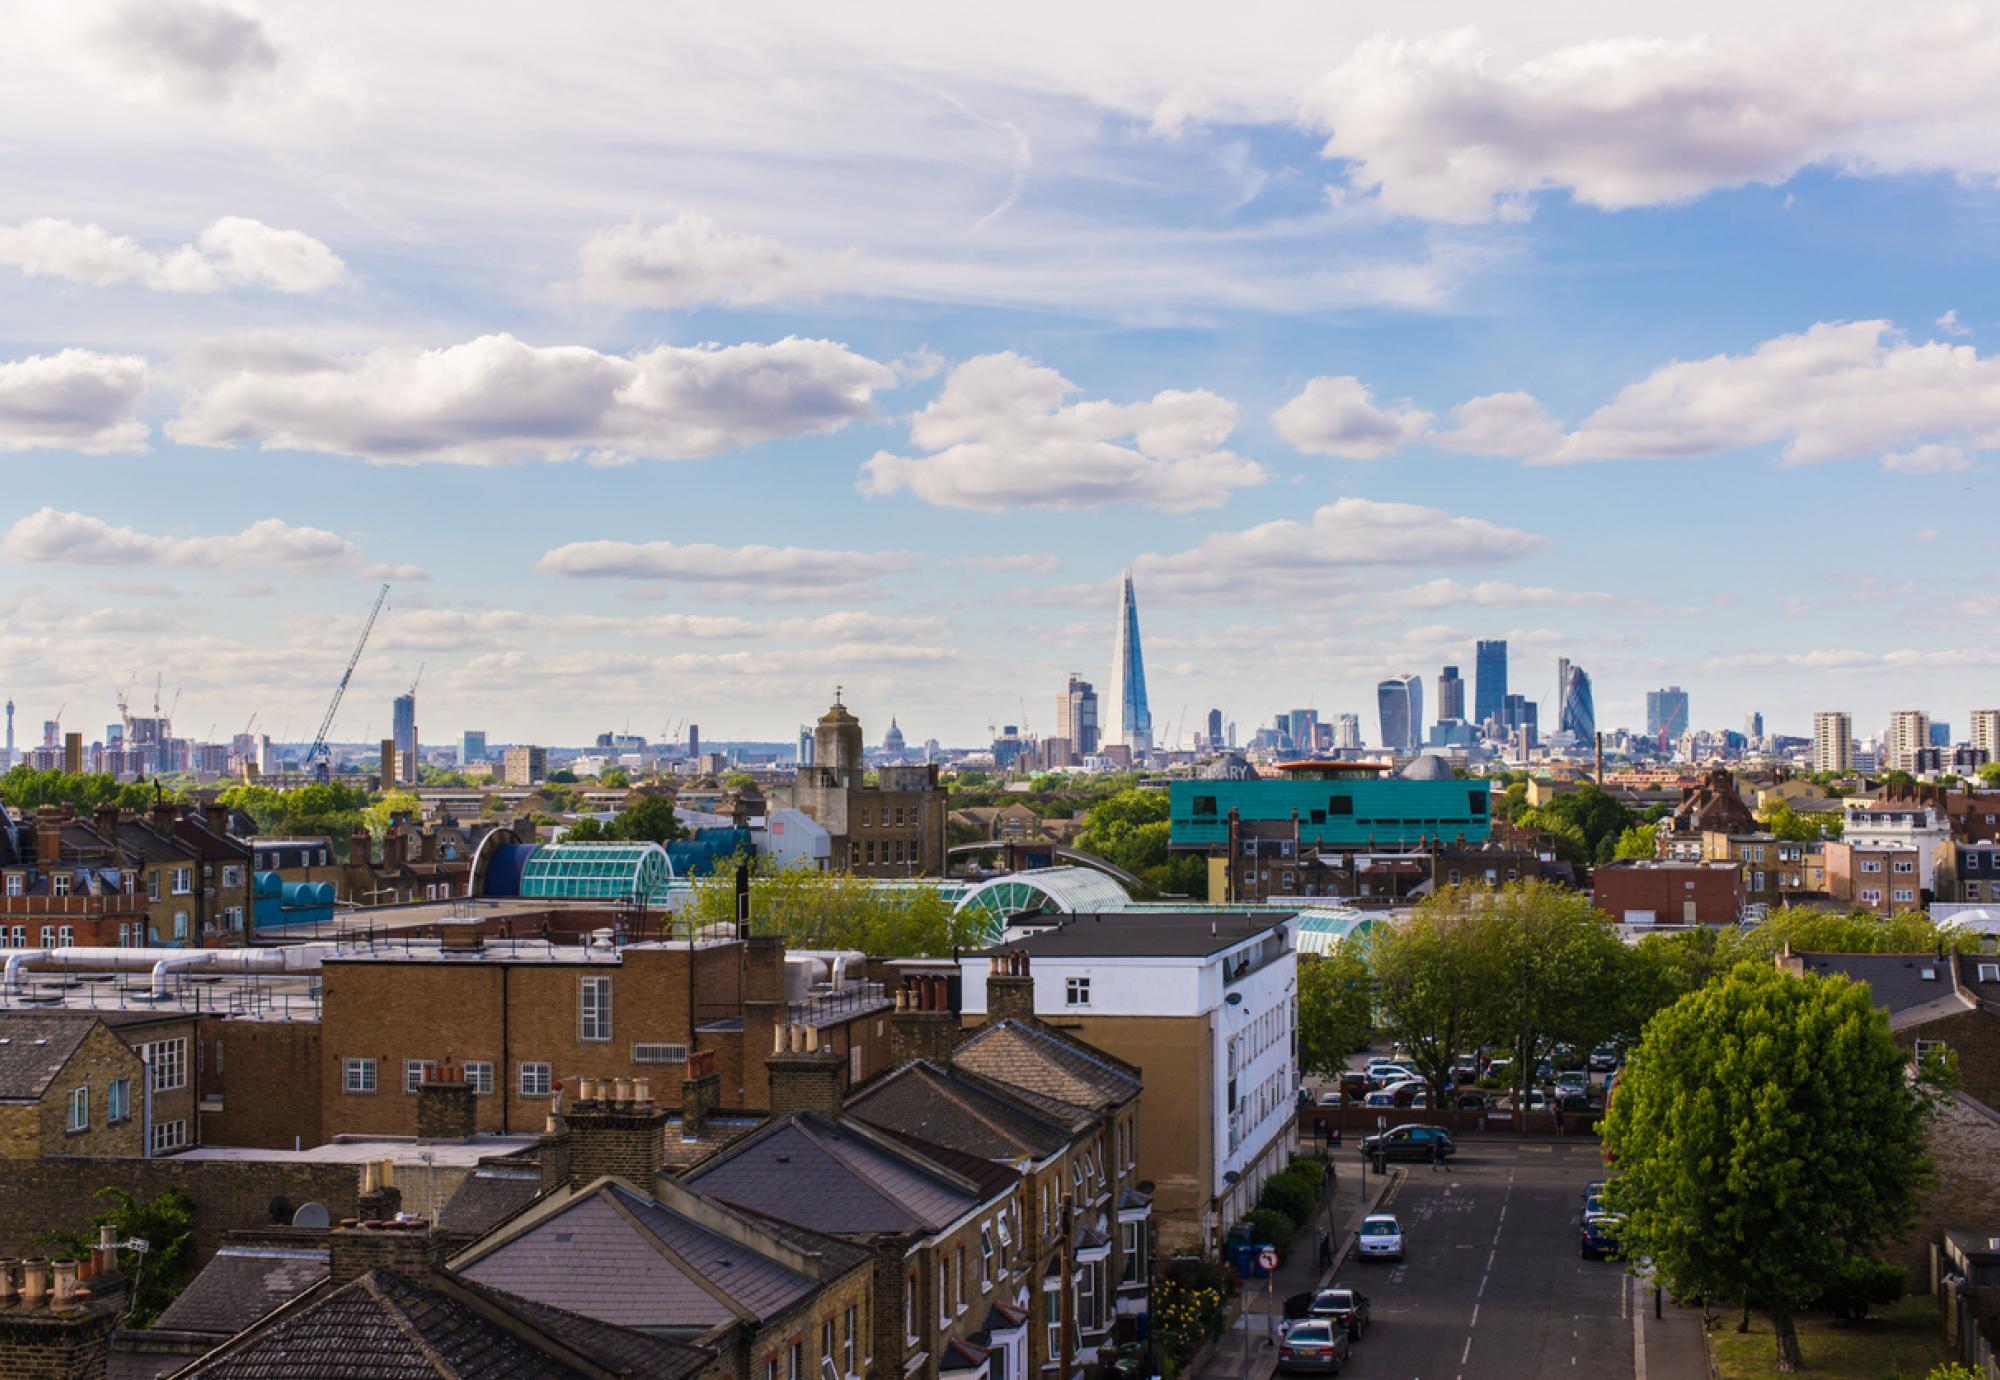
(1904, 1340)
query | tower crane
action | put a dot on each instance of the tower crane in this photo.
(317, 755)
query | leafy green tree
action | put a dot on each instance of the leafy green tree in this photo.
(24, 788)
(1336, 1009)
(562, 776)
(165, 1224)
(613, 778)
(1989, 774)
(1781, 819)
(1550, 967)
(1898, 780)
(1765, 1131)
(585, 830)
(1430, 983)
(832, 910)
(1819, 931)
(650, 818)
(738, 781)
(1661, 969)
(380, 814)
(1639, 841)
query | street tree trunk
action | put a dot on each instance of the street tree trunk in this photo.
(1790, 1358)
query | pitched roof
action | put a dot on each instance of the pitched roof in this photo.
(617, 1256)
(1895, 982)
(836, 1177)
(380, 1326)
(1029, 1056)
(241, 1284)
(34, 1046)
(488, 1196)
(953, 1109)
(1147, 934)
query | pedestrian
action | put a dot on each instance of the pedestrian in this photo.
(1557, 1113)
(1438, 1160)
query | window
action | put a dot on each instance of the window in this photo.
(1250, 876)
(1905, 894)
(959, 1257)
(66, 936)
(1925, 1049)
(13, 884)
(1076, 992)
(1132, 1242)
(534, 1080)
(118, 1101)
(479, 1076)
(233, 917)
(944, 1290)
(153, 885)
(183, 881)
(847, 1346)
(168, 1061)
(795, 1361)
(1204, 807)
(867, 818)
(169, 1135)
(826, 1340)
(180, 924)
(232, 876)
(1989, 972)
(79, 1108)
(357, 1075)
(909, 1310)
(985, 1257)
(659, 1054)
(1052, 1316)
(1905, 866)
(59, 884)
(415, 1071)
(1871, 864)
(593, 1008)
(1872, 897)
(20, 937)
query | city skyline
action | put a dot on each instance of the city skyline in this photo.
(1343, 397)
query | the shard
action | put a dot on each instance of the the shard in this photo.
(1132, 720)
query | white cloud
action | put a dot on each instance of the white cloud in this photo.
(1002, 435)
(49, 536)
(1502, 424)
(1444, 128)
(690, 261)
(1341, 538)
(72, 400)
(1951, 325)
(1436, 594)
(496, 400)
(751, 571)
(395, 573)
(202, 53)
(1335, 415)
(1931, 459)
(1025, 563)
(232, 252)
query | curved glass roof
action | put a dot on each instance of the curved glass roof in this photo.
(1046, 891)
(1323, 931)
(596, 871)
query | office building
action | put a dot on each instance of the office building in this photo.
(1940, 734)
(1833, 741)
(1489, 691)
(694, 740)
(1986, 733)
(1400, 701)
(1578, 711)
(1076, 716)
(472, 746)
(524, 766)
(1753, 726)
(1909, 733)
(1215, 728)
(1451, 695)
(1347, 732)
(51, 734)
(1302, 727)
(1132, 717)
(1666, 715)
(404, 729)
(1522, 718)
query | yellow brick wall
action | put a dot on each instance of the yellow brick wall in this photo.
(40, 1131)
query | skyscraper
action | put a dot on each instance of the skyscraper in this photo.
(1489, 691)
(404, 730)
(1347, 731)
(1400, 700)
(1578, 712)
(1753, 725)
(1909, 732)
(1833, 741)
(1131, 717)
(1076, 716)
(1985, 732)
(472, 746)
(1451, 695)
(1667, 711)
(1521, 713)
(1215, 728)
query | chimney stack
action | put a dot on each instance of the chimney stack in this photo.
(447, 1108)
(924, 1026)
(409, 1249)
(104, 819)
(803, 1076)
(388, 773)
(380, 1199)
(48, 837)
(701, 1092)
(216, 815)
(614, 1127)
(1010, 988)
(360, 848)
(165, 814)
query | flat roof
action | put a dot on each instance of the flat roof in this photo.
(367, 1149)
(1146, 934)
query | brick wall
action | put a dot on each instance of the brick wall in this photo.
(275, 1070)
(43, 1130)
(46, 1345)
(1964, 1146)
(1974, 1036)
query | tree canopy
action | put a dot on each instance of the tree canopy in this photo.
(1765, 1133)
(24, 788)
(1336, 1009)
(1781, 819)
(831, 910)
(1130, 830)
(649, 819)
(1585, 823)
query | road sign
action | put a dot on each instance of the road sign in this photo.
(1267, 1259)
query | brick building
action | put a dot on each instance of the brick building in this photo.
(1652, 891)
(1934, 1002)
(1884, 878)
(894, 828)
(1968, 872)
(82, 1083)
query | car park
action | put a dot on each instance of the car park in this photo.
(1572, 1078)
(1599, 1239)
(1313, 1346)
(1410, 1143)
(1382, 1073)
(1379, 1099)
(1381, 1238)
(1593, 1189)
(1354, 1085)
(1603, 1059)
(1471, 1100)
(1403, 1089)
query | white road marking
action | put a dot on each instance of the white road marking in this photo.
(1482, 1287)
(1463, 1356)
(1638, 1335)
(1475, 1317)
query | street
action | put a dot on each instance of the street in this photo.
(1491, 1284)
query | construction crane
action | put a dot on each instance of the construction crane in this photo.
(418, 680)
(317, 755)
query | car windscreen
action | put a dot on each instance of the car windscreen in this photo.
(1333, 1303)
(1379, 1229)
(1311, 1332)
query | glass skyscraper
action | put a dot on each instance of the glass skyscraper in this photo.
(405, 733)
(1451, 696)
(1576, 713)
(1489, 690)
(1131, 717)
(1401, 702)
(1667, 712)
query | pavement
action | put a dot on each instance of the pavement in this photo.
(1492, 1286)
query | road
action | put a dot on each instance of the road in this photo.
(1491, 1285)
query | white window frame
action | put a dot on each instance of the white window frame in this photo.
(59, 884)
(1988, 972)
(479, 1076)
(169, 1135)
(985, 1256)
(357, 1076)
(533, 1079)
(1076, 991)
(166, 1063)
(79, 1109)
(593, 1009)
(184, 881)
(118, 1101)
(14, 884)
(414, 1071)
(659, 1054)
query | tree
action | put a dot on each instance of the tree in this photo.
(1765, 1132)
(27, 789)
(166, 1224)
(1989, 774)
(1429, 981)
(650, 818)
(561, 776)
(1639, 841)
(1781, 819)
(614, 778)
(1661, 969)
(1820, 931)
(738, 781)
(1551, 966)
(1131, 830)
(382, 813)
(1336, 1009)
(831, 910)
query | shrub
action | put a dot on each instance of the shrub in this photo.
(1860, 1284)
(1287, 1193)
(1271, 1227)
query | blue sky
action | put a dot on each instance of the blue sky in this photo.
(683, 365)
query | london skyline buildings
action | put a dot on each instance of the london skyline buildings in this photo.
(1132, 717)
(1489, 668)
(1399, 700)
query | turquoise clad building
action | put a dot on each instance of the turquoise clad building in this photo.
(1335, 808)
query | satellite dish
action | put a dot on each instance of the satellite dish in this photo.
(312, 1215)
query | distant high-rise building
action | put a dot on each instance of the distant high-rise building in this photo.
(1132, 718)
(1489, 690)
(1940, 734)
(1400, 700)
(524, 766)
(73, 754)
(694, 740)
(1666, 712)
(1909, 733)
(1577, 711)
(1833, 741)
(1302, 727)
(1076, 716)
(51, 733)
(1451, 695)
(892, 741)
(472, 746)
(1519, 713)
(10, 730)
(1347, 731)
(404, 729)
(1986, 733)
(805, 746)
(1753, 725)
(1215, 728)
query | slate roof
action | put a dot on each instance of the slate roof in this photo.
(1148, 934)
(241, 1284)
(1030, 1056)
(382, 1327)
(488, 1196)
(147, 844)
(619, 1257)
(835, 1177)
(1896, 982)
(34, 1046)
(952, 1109)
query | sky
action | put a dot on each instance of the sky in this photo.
(680, 363)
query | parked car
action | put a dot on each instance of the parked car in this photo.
(1331, 1097)
(1382, 1073)
(1593, 1189)
(1381, 1238)
(1572, 1078)
(1603, 1059)
(1471, 1100)
(1600, 1237)
(1404, 1089)
(1313, 1346)
(1354, 1085)
(1595, 1207)
(1379, 1099)
(1410, 1143)
(1346, 1309)
(1574, 1100)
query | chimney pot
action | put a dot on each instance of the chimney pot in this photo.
(8, 1264)
(34, 1282)
(623, 1091)
(642, 1091)
(65, 1286)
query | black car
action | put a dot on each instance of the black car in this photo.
(1600, 1237)
(1410, 1143)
